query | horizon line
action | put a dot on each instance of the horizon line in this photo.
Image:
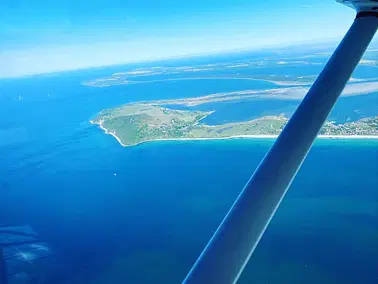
(271, 47)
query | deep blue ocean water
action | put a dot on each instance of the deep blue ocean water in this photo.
(143, 214)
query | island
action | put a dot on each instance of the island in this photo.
(135, 123)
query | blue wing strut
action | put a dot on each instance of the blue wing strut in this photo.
(225, 256)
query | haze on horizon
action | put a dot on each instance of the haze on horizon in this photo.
(42, 36)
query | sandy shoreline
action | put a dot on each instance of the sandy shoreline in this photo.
(110, 133)
(337, 137)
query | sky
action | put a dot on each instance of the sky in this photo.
(42, 36)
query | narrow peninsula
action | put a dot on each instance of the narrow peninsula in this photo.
(134, 123)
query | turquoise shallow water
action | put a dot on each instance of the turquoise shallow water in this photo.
(149, 222)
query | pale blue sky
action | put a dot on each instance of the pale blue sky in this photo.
(44, 36)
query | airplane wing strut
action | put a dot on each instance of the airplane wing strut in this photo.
(225, 256)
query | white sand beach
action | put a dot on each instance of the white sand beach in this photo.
(339, 137)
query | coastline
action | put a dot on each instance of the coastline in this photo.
(336, 137)
(110, 133)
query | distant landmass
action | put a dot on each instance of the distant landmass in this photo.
(253, 96)
(135, 123)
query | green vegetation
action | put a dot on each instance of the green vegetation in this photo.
(140, 122)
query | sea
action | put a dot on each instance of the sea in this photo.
(111, 214)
